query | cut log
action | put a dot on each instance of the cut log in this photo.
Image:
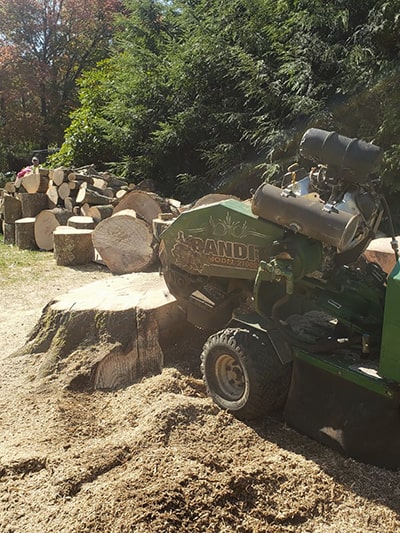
(81, 222)
(80, 178)
(91, 196)
(12, 208)
(69, 203)
(73, 246)
(100, 212)
(212, 198)
(121, 193)
(10, 187)
(46, 222)
(52, 196)
(147, 205)
(33, 204)
(35, 182)
(125, 243)
(9, 232)
(63, 191)
(380, 251)
(57, 175)
(24, 234)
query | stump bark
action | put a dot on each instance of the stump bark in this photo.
(107, 334)
(33, 204)
(12, 208)
(46, 222)
(73, 246)
(24, 234)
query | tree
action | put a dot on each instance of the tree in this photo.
(44, 47)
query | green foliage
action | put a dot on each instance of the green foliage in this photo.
(195, 88)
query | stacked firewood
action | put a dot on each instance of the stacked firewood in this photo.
(84, 215)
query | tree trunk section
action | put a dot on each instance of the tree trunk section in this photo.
(90, 196)
(58, 175)
(24, 234)
(9, 232)
(100, 212)
(81, 222)
(52, 196)
(12, 209)
(46, 222)
(73, 246)
(146, 205)
(108, 334)
(33, 204)
(35, 182)
(125, 243)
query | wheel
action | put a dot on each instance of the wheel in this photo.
(243, 373)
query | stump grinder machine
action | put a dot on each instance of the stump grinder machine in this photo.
(298, 321)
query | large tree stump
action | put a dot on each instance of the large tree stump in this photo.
(125, 243)
(33, 204)
(46, 222)
(73, 246)
(24, 234)
(12, 209)
(107, 334)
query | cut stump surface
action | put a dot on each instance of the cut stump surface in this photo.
(107, 334)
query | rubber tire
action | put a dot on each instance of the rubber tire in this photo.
(260, 382)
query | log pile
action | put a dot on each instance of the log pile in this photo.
(84, 215)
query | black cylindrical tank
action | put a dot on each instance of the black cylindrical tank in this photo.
(330, 148)
(307, 216)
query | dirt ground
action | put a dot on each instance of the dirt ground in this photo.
(158, 456)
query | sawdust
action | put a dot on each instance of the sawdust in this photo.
(158, 456)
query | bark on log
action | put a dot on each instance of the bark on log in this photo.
(91, 197)
(10, 187)
(212, 198)
(100, 212)
(24, 234)
(147, 205)
(46, 222)
(107, 334)
(125, 243)
(9, 232)
(81, 222)
(33, 204)
(73, 246)
(12, 209)
(35, 182)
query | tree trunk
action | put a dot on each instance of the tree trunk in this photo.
(33, 204)
(91, 196)
(107, 334)
(9, 232)
(125, 243)
(147, 205)
(100, 212)
(35, 182)
(73, 246)
(24, 233)
(12, 208)
(46, 222)
(81, 222)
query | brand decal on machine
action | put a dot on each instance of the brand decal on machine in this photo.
(196, 253)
